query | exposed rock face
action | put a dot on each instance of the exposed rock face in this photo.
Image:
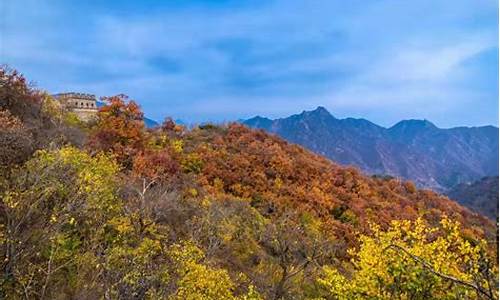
(412, 149)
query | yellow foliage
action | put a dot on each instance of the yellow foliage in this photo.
(72, 119)
(192, 163)
(52, 107)
(193, 192)
(95, 175)
(178, 146)
(278, 183)
(136, 267)
(201, 282)
(218, 185)
(403, 262)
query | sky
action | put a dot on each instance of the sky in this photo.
(382, 60)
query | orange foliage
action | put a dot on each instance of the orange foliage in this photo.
(155, 165)
(269, 171)
(120, 129)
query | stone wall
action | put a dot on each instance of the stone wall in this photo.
(83, 105)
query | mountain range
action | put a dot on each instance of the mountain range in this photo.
(416, 150)
(219, 212)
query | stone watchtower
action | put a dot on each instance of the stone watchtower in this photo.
(83, 105)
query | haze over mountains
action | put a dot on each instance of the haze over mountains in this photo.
(417, 150)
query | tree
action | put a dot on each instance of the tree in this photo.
(414, 261)
(17, 96)
(119, 130)
(53, 216)
(294, 245)
(198, 281)
(136, 263)
(40, 121)
(15, 140)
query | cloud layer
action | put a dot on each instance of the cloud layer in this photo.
(222, 60)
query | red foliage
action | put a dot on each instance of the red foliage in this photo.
(270, 172)
(168, 125)
(15, 140)
(120, 129)
(17, 96)
(156, 165)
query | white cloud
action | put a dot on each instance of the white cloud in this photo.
(423, 63)
(293, 55)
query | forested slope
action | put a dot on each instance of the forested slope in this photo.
(111, 209)
(480, 196)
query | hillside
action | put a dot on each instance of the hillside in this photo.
(413, 149)
(214, 212)
(269, 171)
(480, 196)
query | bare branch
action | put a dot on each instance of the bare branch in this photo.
(439, 274)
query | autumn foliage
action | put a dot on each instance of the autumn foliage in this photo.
(270, 172)
(119, 129)
(216, 212)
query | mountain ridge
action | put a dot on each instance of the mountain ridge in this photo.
(180, 211)
(322, 108)
(418, 150)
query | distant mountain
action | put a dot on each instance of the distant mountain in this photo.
(480, 196)
(412, 149)
(150, 123)
(180, 122)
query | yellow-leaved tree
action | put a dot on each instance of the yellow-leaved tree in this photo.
(54, 212)
(197, 281)
(412, 260)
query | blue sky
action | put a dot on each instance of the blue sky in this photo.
(223, 60)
